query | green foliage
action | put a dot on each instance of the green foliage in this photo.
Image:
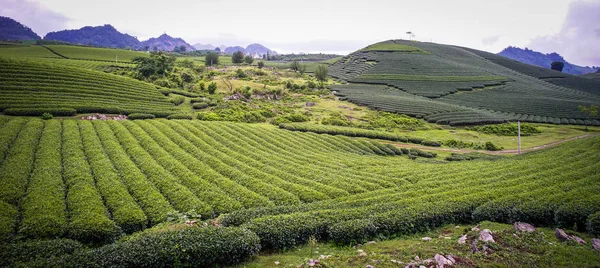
(336, 119)
(47, 116)
(458, 144)
(180, 116)
(508, 129)
(239, 73)
(322, 73)
(212, 88)
(200, 105)
(248, 60)
(261, 64)
(289, 118)
(177, 100)
(489, 146)
(158, 64)
(237, 57)
(593, 224)
(40, 111)
(353, 231)
(39, 253)
(211, 59)
(138, 116)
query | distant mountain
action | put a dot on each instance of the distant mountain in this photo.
(543, 60)
(166, 43)
(12, 30)
(98, 36)
(204, 47)
(231, 50)
(260, 49)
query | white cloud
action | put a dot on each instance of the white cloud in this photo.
(578, 41)
(33, 15)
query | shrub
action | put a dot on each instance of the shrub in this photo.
(200, 105)
(179, 116)
(47, 116)
(177, 100)
(208, 116)
(352, 231)
(431, 143)
(212, 88)
(40, 111)
(261, 64)
(508, 129)
(458, 144)
(136, 116)
(288, 118)
(489, 146)
(190, 247)
(239, 73)
(593, 224)
(38, 253)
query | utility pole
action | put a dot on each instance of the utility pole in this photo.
(519, 138)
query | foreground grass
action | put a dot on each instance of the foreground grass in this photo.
(540, 249)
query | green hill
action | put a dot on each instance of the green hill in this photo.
(32, 85)
(458, 86)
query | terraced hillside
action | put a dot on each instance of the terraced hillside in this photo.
(30, 87)
(90, 181)
(478, 88)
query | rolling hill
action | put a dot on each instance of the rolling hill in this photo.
(11, 30)
(460, 86)
(99, 36)
(166, 43)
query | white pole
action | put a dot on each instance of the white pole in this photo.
(519, 133)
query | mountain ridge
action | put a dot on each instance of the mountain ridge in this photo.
(12, 30)
(540, 59)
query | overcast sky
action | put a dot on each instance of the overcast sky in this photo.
(569, 27)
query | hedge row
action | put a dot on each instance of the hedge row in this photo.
(180, 116)
(189, 247)
(137, 116)
(219, 201)
(40, 111)
(89, 219)
(154, 204)
(123, 208)
(356, 132)
(180, 197)
(44, 211)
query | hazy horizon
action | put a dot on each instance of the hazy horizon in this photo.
(568, 27)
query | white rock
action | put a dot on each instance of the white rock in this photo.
(462, 239)
(486, 236)
(426, 238)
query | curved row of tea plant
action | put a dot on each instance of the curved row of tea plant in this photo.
(92, 181)
(32, 85)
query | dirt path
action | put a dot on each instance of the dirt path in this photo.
(503, 152)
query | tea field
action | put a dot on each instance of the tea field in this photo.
(484, 87)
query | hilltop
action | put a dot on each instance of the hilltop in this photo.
(166, 43)
(12, 30)
(99, 36)
(531, 57)
(461, 86)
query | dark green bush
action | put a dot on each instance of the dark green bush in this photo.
(38, 253)
(200, 105)
(352, 231)
(177, 100)
(136, 116)
(288, 118)
(593, 224)
(508, 129)
(431, 143)
(47, 116)
(458, 144)
(40, 111)
(179, 116)
(190, 247)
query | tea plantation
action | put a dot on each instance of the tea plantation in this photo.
(426, 79)
(92, 181)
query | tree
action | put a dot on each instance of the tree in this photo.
(157, 64)
(591, 111)
(321, 73)
(261, 64)
(237, 57)
(248, 59)
(218, 50)
(302, 69)
(557, 65)
(211, 59)
(212, 88)
(294, 65)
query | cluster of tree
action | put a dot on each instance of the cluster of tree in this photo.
(238, 58)
(211, 59)
(180, 49)
(158, 64)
